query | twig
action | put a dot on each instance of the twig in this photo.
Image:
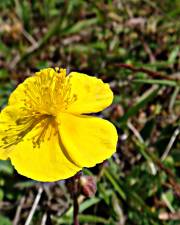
(141, 140)
(29, 37)
(17, 59)
(18, 211)
(169, 216)
(176, 76)
(151, 73)
(170, 144)
(171, 177)
(44, 219)
(135, 131)
(36, 45)
(34, 207)
(149, 52)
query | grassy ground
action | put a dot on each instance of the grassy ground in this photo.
(135, 46)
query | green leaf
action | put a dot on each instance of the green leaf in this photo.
(168, 198)
(6, 167)
(3, 74)
(4, 220)
(1, 194)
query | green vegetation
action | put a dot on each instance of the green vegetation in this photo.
(133, 45)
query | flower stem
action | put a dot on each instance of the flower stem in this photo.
(73, 186)
(76, 210)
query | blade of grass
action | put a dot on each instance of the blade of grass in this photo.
(173, 98)
(141, 147)
(83, 206)
(79, 26)
(155, 81)
(115, 184)
(82, 219)
(142, 101)
(59, 27)
(128, 193)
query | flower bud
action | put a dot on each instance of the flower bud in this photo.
(88, 185)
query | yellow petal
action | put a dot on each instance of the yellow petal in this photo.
(88, 140)
(47, 162)
(92, 94)
(3, 154)
(18, 95)
(31, 92)
(8, 117)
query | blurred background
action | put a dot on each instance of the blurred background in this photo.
(134, 45)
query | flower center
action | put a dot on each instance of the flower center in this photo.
(44, 96)
(49, 93)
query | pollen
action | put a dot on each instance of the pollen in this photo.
(50, 93)
(43, 99)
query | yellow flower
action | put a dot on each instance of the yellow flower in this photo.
(44, 129)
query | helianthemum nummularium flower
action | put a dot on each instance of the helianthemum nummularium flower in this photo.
(44, 129)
